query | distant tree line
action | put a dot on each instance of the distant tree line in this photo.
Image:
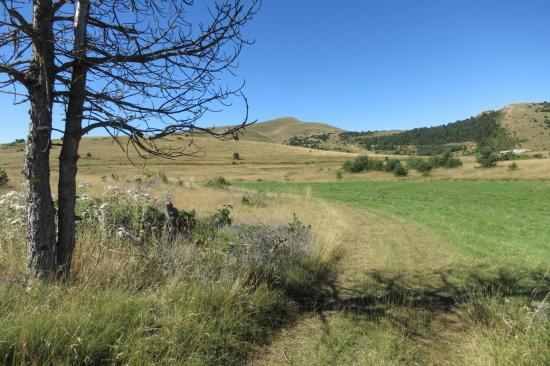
(311, 142)
(432, 140)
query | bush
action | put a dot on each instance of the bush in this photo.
(445, 160)
(218, 182)
(487, 158)
(513, 167)
(375, 165)
(357, 165)
(420, 165)
(339, 175)
(400, 171)
(509, 155)
(391, 165)
(363, 163)
(256, 199)
(88, 154)
(236, 156)
(3, 177)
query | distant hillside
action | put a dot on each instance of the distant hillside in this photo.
(483, 129)
(281, 130)
(529, 123)
(517, 125)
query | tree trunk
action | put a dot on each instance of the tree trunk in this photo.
(40, 208)
(68, 159)
(67, 201)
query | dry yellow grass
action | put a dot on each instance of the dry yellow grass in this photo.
(282, 129)
(526, 122)
(259, 161)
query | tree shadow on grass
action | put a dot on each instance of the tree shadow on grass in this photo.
(439, 291)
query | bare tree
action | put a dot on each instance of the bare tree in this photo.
(140, 69)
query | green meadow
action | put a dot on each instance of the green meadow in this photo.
(434, 273)
(504, 222)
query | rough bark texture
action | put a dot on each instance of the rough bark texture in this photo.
(68, 158)
(40, 210)
(170, 229)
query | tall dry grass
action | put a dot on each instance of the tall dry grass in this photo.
(194, 304)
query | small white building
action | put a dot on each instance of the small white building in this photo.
(514, 151)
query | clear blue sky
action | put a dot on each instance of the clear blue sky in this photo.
(384, 64)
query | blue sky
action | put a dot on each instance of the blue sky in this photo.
(383, 64)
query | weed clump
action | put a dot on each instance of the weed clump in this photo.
(218, 182)
(161, 174)
(3, 177)
(256, 199)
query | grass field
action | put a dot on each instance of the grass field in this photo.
(497, 222)
(449, 269)
(435, 273)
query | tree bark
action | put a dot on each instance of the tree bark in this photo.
(40, 209)
(69, 152)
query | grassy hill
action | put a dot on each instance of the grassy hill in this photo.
(517, 125)
(529, 122)
(282, 129)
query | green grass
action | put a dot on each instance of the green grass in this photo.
(497, 222)
(469, 304)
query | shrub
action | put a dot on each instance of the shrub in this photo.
(509, 155)
(218, 182)
(375, 165)
(339, 175)
(88, 154)
(162, 176)
(391, 165)
(256, 199)
(513, 166)
(3, 177)
(487, 158)
(445, 160)
(420, 165)
(236, 156)
(400, 171)
(357, 165)
(363, 163)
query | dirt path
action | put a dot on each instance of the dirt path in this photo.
(374, 244)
